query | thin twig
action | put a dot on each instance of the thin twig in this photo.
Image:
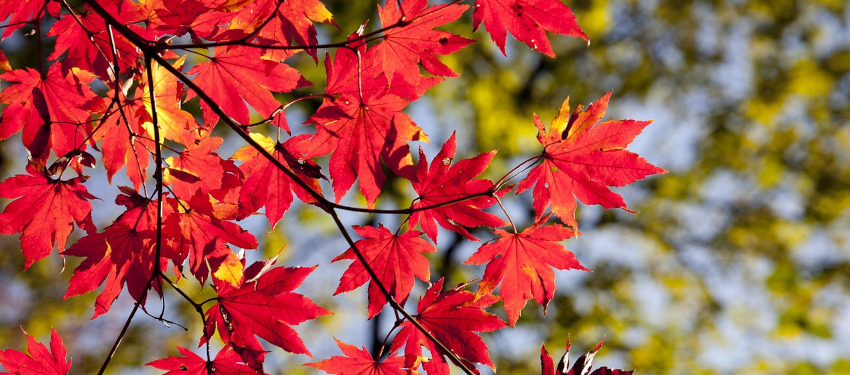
(120, 336)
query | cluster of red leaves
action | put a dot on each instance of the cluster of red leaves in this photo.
(188, 221)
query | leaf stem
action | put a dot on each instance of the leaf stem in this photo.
(508, 176)
(499, 201)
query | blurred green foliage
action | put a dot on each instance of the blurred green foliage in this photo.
(739, 260)
(741, 251)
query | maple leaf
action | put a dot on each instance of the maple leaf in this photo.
(201, 19)
(290, 21)
(140, 211)
(39, 361)
(522, 263)
(197, 167)
(360, 133)
(4, 62)
(120, 255)
(121, 144)
(226, 362)
(198, 232)
(360, 362)
(581, 367)
(297, 17)
(348, 74)
(172, 120)
(266, 307)
(527, 20)
(581, 158)
(452, 317)
(395, 259)
(362, 123)
(443, 182)
(416, 41)
(45, 211)
(237, 73)
(20, 12)
(266, 185)
(74, 39)
(53, 109)
(141, 215)
(82, 39)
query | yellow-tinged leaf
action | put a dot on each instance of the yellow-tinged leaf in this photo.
(248, 152)
(4, 64)
(172, 120)
(231, 5)
(560, 122)
(319, 14)
(230, 270)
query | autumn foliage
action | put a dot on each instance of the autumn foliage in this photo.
(180, 218)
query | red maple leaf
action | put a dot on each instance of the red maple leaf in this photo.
(360, 362)
(45, 212)
(4, 62)
(453, 318)
(121, 144)
(395, 259)
(527, 20)
(443, 182)
(20, 12)
(201, 19)
(288, 21)
(240, 73)
(581, 158)
(262, 305)
(348, 74)
(297, 17)
(360, 133)
(200, 234)
(581, 367)
(522, 263)
(197, 167)
(226, 362)
(266, 185)
(39, 361)
(53, 109)
(173, 121)
(82, 39)
(120, 255)
(140, 211)
(362, 123)
(416, 41)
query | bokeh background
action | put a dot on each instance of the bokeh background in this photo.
(738, 262)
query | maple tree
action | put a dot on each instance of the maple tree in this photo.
(189, 222)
